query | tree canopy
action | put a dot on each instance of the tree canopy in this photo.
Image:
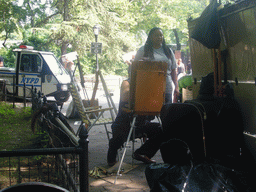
(62, 26)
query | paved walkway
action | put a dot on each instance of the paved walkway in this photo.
(133, 180)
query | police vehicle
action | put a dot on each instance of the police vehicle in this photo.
(39, 69)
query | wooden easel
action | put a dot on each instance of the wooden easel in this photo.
(86, 112)
(147, 93)
(110, 101)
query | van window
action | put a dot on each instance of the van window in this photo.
(55, 66)
(30, 63)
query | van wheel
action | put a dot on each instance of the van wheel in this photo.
(62, 96)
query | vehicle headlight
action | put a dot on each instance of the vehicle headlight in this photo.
(64, 87)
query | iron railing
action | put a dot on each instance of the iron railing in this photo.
(65, 166)
(72, 162)
(4, 94)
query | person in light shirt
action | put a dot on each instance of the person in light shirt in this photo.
(155, 49)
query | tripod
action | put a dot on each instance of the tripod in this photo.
(108, 96)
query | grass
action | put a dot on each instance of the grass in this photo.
(15, 130)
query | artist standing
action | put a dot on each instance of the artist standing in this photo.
(155, 49)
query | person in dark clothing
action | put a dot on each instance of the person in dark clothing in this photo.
(121, 128)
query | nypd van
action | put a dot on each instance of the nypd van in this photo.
(39, 69)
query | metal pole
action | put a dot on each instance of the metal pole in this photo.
(96, 76)
(44, 151)
(97, 64)
(5, 91)
(33, 99)
(24, 94)
(13, 94)
(83, 160)
(125, 147)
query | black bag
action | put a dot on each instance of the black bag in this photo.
(204, 177)
(212, 129)
(206, 30)
(206, 91)
(181, 121)
(179, 150)
(177, 163)
(178, 173)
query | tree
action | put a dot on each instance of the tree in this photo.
(8, 21)
(114, 34)
(62, 26)
(170, 15)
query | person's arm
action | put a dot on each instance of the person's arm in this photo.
(124, 92)
(176, 85)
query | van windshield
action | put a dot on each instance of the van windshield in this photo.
(54, 64)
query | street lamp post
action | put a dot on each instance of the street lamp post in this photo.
(95, 49)
(96, 31)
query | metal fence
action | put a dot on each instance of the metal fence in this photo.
(4, 94)
(64, 166)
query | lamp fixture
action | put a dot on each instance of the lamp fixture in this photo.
(96, 30)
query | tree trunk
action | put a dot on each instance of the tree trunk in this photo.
(64, 46)
(65, 16)
(177, 39)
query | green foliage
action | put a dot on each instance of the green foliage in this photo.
(9, 56)
(8, 113)
(88, 64)
(38, 42)
(54, 25)
(8, 19)
(6, 110)
(15, 131)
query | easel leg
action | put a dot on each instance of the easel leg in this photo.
(107, 132)
(109, 98)
(160, 122)
(125, 148)
(133, 140)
